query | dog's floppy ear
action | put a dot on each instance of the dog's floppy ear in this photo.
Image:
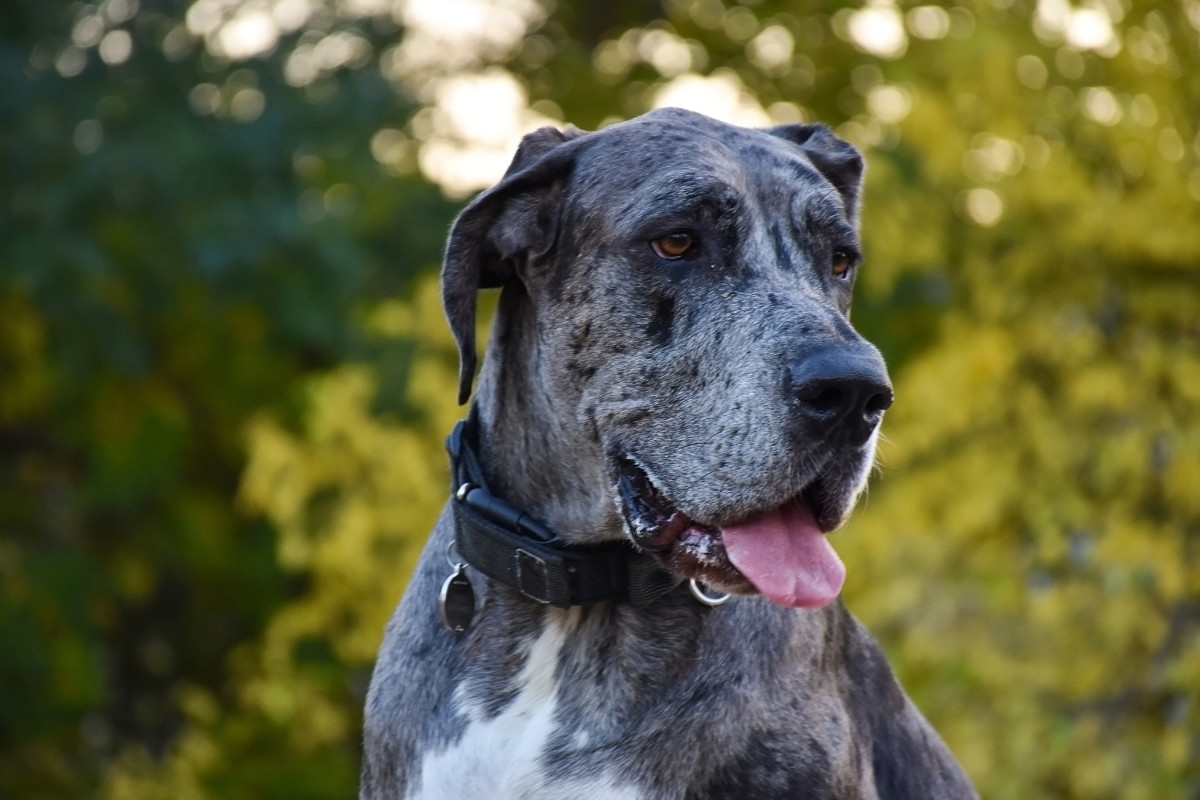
(498, 228)
(838, 160)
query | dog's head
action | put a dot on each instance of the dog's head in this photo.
(690, 286)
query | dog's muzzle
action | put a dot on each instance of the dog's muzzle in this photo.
(837, 396)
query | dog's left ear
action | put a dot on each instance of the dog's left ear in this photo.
(836, 159)
(499, 228)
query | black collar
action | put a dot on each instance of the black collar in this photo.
(508, 545)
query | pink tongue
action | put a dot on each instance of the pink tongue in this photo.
(785, 555)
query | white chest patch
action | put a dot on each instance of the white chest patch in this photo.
(500, 758)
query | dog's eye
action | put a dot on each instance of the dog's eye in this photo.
(841, 262)
(674, 245)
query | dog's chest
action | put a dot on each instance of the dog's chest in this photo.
(502, 757)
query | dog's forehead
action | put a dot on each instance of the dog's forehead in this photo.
(683, 156)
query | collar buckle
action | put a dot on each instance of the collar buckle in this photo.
(532, 578)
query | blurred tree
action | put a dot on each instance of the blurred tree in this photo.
(182, 237)
(210, 240)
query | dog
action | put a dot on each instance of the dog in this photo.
(630, 593)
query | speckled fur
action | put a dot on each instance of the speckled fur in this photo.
(599, 349)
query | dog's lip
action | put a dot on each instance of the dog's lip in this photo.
(797, 574)
(656, 522)
(680, 544)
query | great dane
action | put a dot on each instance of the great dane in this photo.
(673, 411)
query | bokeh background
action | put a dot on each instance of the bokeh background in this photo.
(225, 379)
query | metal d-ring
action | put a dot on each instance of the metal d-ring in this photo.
(705, 598)
(450, 553)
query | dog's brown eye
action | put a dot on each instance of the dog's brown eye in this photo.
(842, 261)
(673, 245)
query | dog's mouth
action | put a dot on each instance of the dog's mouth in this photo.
(781, 552)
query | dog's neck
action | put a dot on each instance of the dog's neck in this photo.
(552, 469)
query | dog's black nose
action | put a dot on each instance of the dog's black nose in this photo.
(841, 391)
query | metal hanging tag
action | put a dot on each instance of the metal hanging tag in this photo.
(457, 600)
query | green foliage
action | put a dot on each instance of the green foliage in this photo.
(224, 377)
(166, 276)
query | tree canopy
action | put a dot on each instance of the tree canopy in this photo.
(225, 379)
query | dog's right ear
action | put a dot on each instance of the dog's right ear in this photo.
(836, 159)
(498, 228)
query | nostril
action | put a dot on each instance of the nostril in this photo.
(879, 402)
(823, 400)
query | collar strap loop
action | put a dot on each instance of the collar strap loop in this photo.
(510, 546)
